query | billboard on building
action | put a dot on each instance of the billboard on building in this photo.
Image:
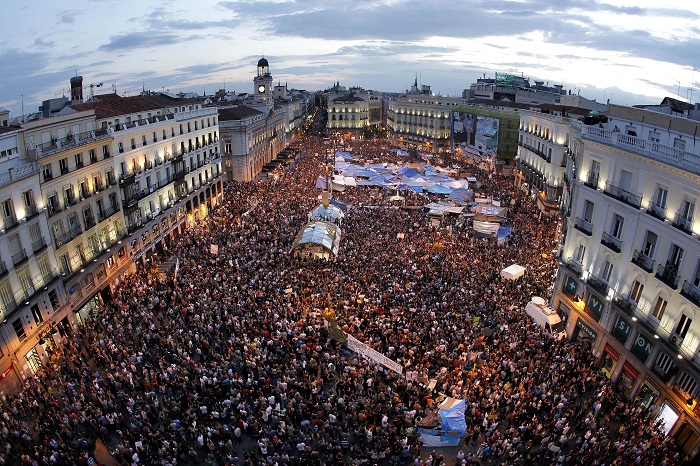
(476, 135)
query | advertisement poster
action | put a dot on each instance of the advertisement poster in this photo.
(476, 135)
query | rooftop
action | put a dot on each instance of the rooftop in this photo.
(111, 105)
(237, 113)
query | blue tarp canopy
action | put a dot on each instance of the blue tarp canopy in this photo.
(461, 195)
(452, 415)
(321, 182)
(437, 189)
(504, 232)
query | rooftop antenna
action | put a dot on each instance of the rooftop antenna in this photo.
(679, 89)
(114, 87)
(22, 95)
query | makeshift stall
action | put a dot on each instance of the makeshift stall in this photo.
(451, 426)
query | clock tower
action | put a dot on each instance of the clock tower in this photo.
(263, 83)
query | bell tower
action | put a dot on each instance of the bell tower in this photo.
(263, 83)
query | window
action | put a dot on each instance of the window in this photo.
(625, 180)
(696, 277)
(661, 197)
(679, 143)
(687, 210)
(636, 292)
(93, 156)
(659, 308)
(588, 211)
(616, 227)
(19, 330)
(143, 140)
(607, 270)
(650, 244)
(683, 326)
(594, 172)
(8, 212)
(63, 166)
(580, 253)
(7, 300)
(46, 172)
(675, 256)
(133, 143)
(79, 160)
(155, 138)
(120, 145)
(654, 137)
(53, 298)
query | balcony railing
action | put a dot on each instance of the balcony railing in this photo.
(643, 261)
(575, 265)
(592, 180)
(70, 141)
(683, 223)
(66, 237)
(89, 223)
(611, 242)
(38, 245)
(649, 149)
(10, 221)
(691, 292)
(626, 304)
(598, 283)
(656, 210)
(622, 195)
(99, 186)
(106, 213)
(584, 226)
(668, 274)
(19, 257)
(19, 173)
(31, 210)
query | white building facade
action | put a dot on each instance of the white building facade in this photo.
(629, 282)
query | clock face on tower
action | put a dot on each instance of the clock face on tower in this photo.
(261, 88)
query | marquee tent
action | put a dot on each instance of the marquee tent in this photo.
(513, 272)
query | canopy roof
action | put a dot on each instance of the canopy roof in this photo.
(323, 234)
(327, 212)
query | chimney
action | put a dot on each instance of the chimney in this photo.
(76, 89)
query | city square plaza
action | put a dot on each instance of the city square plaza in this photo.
(255, 355)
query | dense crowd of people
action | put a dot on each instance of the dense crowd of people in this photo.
(232, 363)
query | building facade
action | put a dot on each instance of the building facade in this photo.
(94, 191)
(629, 281)
(252, 135)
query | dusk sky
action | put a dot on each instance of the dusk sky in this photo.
(630, 51)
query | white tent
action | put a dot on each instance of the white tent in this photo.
(513, 272)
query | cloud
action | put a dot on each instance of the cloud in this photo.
(68, 16)
(137, 40)
(43, 44)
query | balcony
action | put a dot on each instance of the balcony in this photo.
(625, 304)
(148, 164)
(127, 178)
(70, 201)
(10, 222)
(691, 292)
(164, 182)
(611, 242)
(642, 260)
(71, 141)
(584, 226)
(668, 274)
(648, 149)
(89, 223)
(19, 258)
(54, 208)
(622, 195)
(574, 266)
(682, 223)
(3, 269)
(130, 201)
(598, 284)
(179, 174)
(106, 213)
(64, 238)
(592, 180)
(656, 211)
(38, 245)
(31, 210)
